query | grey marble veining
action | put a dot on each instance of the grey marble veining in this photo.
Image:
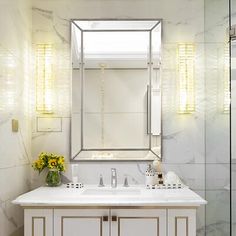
(55, 23)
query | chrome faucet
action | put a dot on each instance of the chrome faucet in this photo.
(101, 184)
(113, 178)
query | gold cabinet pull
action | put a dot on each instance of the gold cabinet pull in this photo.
(105, 218)
(114, 218)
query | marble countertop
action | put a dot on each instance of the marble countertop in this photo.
(106, 196)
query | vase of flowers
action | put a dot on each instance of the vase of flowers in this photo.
(54, 163)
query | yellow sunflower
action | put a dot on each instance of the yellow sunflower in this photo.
(52, 163)
(61, 160)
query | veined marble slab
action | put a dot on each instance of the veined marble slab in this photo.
(106, 196)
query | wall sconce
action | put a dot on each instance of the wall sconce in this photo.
(226, 103)
(44, 78)
(8, 81)
(186, 90)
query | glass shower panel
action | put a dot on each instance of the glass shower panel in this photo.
(233, 134)
(217, 124)
(233, 116)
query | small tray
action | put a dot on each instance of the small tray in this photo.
(74, 185)
(167, 186)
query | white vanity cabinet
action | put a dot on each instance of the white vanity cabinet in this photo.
(110, 222)
(93, 211)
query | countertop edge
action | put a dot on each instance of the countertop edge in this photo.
(64, 205)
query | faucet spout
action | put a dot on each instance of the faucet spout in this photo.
(113, 178)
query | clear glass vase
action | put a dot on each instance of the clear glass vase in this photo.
(53, 178)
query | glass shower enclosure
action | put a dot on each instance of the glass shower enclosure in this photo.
(233, 114)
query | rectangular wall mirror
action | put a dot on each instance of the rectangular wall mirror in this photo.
(116, 90)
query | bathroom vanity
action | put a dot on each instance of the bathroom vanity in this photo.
(93, 211)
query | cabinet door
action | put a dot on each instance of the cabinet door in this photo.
(138, 222)
(82, 222)
(182, 222)
(38, 222)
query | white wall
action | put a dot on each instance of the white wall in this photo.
(15, 76)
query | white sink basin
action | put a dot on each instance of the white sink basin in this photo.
(111, 192)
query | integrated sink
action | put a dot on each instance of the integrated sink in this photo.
(111, 192)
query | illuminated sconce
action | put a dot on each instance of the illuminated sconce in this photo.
(226, 104)
(8, 81)
(44, 78)
(186, 91)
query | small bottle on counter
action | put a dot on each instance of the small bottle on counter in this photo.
(159, 178)
(150, 176)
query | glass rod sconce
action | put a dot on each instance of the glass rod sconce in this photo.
(44, 78)
(186, 90)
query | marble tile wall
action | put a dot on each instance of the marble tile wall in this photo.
(51, 24)
(15, 76)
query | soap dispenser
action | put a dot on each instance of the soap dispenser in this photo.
(150, 176)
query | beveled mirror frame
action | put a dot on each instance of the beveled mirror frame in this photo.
(146, 153)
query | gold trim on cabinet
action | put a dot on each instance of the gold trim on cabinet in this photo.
(44, 224)
(176, 224)
(153, 218)
(80, 217)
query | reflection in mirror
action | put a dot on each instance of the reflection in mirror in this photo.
(116, 97)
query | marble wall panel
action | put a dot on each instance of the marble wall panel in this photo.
(15, 76)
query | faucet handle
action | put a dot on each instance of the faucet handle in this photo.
(113, 178)
(101, 184)
(126, 184)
